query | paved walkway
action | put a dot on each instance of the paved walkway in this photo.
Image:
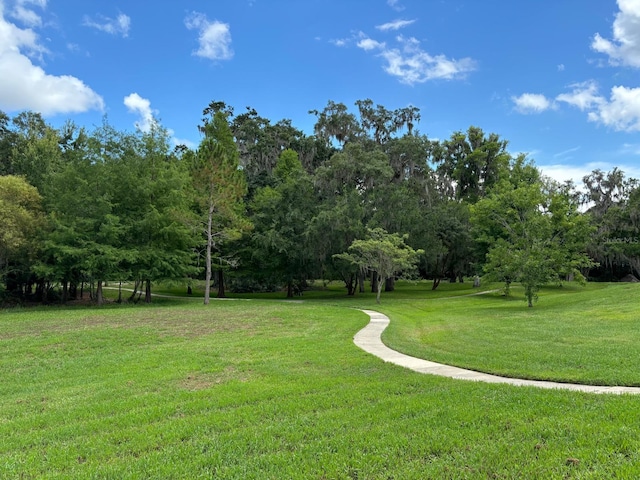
(369, 340)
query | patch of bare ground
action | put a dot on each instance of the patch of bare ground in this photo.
(203, 380)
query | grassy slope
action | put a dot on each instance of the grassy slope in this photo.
(575, 334)
(267, 389)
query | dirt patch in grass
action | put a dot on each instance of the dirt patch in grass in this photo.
(204, 380)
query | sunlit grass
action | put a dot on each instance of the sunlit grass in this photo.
(576, 334)
(276, 389)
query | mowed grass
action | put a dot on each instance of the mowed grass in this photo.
(275, 390)
(573, 334)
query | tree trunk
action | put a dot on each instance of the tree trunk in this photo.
(289, 289)
(221, 292)
(136, 285)
(65, 291)
(361, 281)
(147, 292)
(436, 282)
(351, 285)
(390, 284)
(207, 281)
(119, 292)
(99, 296)
(41, 291)
(379, 282)
(374, 282)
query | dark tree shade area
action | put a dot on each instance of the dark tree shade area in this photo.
(260, 205)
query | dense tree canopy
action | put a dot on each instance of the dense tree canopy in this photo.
(267, 206)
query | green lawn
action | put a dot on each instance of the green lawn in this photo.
(574, 334)
(274, 390)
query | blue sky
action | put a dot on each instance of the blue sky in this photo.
(557, 79)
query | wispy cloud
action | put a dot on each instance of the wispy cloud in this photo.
(584, 95)
(214, 38)
(395, 4)
(395, 25)
(24, 13)
(114, 26)
(410, 64)
(566, 152)
(370, 44)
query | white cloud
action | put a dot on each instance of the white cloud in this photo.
(532, 103)
(369, 44)
(26, 15)
(566, 153)
(561, 67)
(624, 49)
(621, 111)
(413, 65)
(183, 141)
(214, 39)
(584, 96)
(142, 107)
(25, 86)
(630, 149)
(114, 26)
(395, 4)
(563, 172)
(395, 25)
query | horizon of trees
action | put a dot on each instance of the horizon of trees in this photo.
(262, 206)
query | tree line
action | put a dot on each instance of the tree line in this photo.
(263, 206)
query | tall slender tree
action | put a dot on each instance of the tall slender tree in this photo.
(220, 186)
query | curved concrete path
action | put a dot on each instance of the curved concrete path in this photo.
(369, 340)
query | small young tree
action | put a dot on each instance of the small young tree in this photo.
(534, 234)
(383, 253)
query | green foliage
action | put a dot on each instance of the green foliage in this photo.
(220, 187)
(123, 205)
(471, 163)
(383, 253)
(21, 217)
(614, 206)
(532, 236)
(281, 246)
(288, 165)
